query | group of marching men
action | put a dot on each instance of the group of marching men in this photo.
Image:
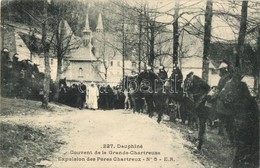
(105, 97)
(235, 110)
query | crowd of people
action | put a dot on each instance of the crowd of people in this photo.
(92, 96)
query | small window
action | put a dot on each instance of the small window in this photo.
(51, 61)
(80, 73)
(111, 63)
(118, 63)
(85, 42)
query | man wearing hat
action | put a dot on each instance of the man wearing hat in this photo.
(146, 85)
(224, 75)
(176, 79)
(226, 119)
(148, 69)
(162, 73)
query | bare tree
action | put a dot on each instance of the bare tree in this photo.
(258, 62)
(46, 83)
(207, 36)
(176, 33)
(145, 39)
(242, 34)
(106, 52)
(246, 33)
(65, 41)
(140, 42)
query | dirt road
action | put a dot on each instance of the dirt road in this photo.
(114, 139)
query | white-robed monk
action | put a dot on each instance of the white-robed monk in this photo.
(93, 95)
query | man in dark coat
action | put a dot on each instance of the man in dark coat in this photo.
(81, 95)
(146, 85)
(224, 115)
(162, 73)
(176, 79)
(83, 89)
(109, 98)
(102, 97)
(243, 121)
(224, 74)
(146, 80)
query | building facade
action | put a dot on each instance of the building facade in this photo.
(81, 65)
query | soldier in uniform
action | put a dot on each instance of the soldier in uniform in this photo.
(241, 120)
(176, 79)
(224, 115)
(162, 73)
(146, 82)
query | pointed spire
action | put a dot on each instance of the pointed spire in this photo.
(87, 29)
(99, 27)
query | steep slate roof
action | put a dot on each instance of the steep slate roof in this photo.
(82, 54)
(225, 50)
(21, 48)
(220, 50)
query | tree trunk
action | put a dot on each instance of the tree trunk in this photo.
(152, 41)
(242, 35)
(123, 48)
(58, 77)
(176, 34)
(46, 82)
(59, 40)
(140, 42)
(258, 62)
(106, 74)
(181, 52)
(207, 36)
(147, 37)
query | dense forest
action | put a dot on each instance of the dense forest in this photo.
(74, 12)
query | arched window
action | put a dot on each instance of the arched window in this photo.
(80, 72)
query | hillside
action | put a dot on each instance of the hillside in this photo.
(24, 143)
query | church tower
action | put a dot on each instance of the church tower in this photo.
(100, 27)
(87, 33)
